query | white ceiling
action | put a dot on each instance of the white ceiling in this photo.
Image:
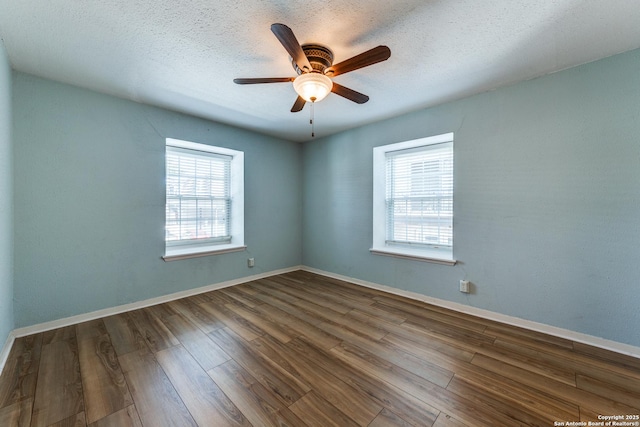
(184, 54)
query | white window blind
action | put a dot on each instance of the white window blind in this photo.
(419, 196)
(198, 202)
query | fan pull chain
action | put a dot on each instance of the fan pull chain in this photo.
(313, 134)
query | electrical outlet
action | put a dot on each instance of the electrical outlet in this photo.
(251, 262)
(465, 286)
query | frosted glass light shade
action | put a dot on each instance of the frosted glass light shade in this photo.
(312, 87)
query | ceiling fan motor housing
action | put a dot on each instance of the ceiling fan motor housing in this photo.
(320, 57)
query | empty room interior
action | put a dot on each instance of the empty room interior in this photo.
(333, 213)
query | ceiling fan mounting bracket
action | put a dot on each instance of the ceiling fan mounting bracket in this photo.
(320, 57)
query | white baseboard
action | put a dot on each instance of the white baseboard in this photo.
(490, 315)
(54, 324)
(4, 353)
(486, 314)
(60, 323)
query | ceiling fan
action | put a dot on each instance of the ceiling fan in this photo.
(314, 65)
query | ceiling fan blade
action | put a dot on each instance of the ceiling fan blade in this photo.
(370, 57)
(253, 81)
(350, 94)
(298, 105)
(290, 43)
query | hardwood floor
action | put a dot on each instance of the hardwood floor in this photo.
(301, 349)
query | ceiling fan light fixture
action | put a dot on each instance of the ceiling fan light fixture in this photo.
(312, 87)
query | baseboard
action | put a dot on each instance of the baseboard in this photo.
(4, 353)
(54, 324)
(486, 314)
(594, 341)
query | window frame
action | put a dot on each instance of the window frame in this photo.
(380, 246)
(175, 250)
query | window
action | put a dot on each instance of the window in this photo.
(204, 210)
(413, 199)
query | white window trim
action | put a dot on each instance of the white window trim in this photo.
(178, 252)
(442, 255)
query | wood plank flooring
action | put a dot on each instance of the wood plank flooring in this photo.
(301, 349)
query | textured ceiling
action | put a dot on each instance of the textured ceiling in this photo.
(184, 54)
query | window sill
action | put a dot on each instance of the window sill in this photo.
(175, 254)
(434, 256)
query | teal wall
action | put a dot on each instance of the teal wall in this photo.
(89, 201)
(546, 205)
(6, 201)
